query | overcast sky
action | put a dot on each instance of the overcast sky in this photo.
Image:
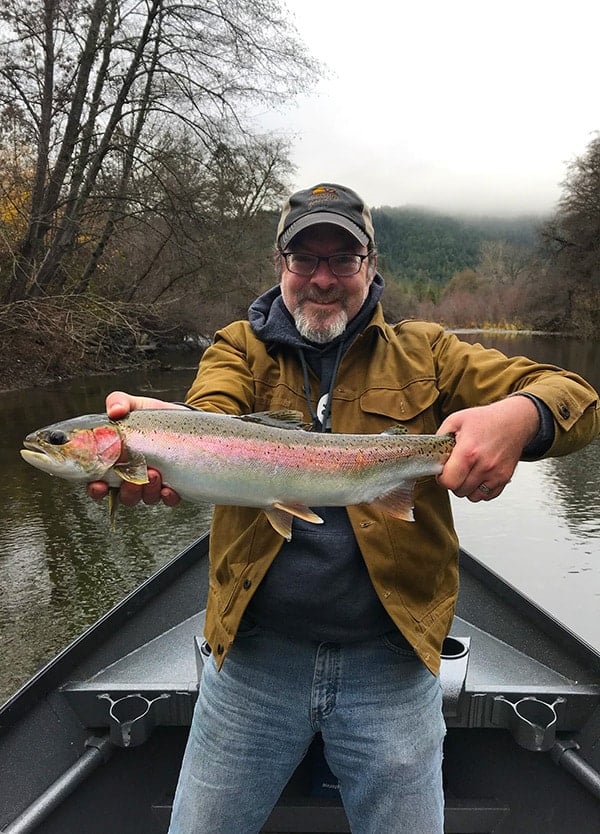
(467, 105)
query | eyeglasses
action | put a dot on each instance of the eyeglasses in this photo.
(306, 265)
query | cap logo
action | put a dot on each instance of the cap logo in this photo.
(321, 194)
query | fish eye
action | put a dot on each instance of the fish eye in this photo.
(57, 438)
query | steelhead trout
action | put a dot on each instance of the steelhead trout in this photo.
(259, 460)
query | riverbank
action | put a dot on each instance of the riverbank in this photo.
(31, 362)
(28, 361)
(54, 339)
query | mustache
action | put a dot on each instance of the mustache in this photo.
(320, 296)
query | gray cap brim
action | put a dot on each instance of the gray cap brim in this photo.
(318, 218)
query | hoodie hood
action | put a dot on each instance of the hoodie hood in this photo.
(273, 323)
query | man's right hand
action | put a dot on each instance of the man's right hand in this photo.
(118, 405)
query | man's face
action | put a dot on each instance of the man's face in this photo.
(323, 304)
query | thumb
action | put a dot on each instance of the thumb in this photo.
(119, 404)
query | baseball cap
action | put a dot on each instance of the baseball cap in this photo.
(326, 203)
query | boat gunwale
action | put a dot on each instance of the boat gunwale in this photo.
(564, 638)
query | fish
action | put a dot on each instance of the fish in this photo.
(266, 460)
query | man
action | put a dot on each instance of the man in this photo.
(339, 630)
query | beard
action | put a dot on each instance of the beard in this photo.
(319, 327)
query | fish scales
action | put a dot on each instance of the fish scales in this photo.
(243, 461)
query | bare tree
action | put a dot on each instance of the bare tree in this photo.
(572, 239)
(95, 87)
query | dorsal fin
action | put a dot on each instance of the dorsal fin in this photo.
(282, 419)
(399, 428)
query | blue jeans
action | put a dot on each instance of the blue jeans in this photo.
(379, 711)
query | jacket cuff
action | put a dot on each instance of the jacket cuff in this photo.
(545, 436)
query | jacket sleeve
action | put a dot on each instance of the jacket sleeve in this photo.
(224, 382)
(470, 375)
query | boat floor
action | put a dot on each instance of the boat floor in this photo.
(515, 682)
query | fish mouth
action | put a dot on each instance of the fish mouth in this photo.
(36, 453)
(34, 456)
(34, 447)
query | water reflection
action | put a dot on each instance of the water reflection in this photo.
(543, 533)
(61, 565)
(575, 483)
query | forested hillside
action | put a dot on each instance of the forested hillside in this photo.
(422, 246)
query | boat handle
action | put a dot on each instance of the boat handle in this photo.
(531, 721)
(131, 718)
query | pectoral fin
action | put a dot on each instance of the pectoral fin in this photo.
(398, 503)
(133, 470)
(281, 516)
(113, 506)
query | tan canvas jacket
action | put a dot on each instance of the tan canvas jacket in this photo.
(412, 373)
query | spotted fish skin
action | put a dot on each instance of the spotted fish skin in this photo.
(262, 461)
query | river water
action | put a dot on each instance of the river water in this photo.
(61, 566)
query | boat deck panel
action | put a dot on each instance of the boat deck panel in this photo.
(169, 660)
(164, 672)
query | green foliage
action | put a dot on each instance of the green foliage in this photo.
(427, 248)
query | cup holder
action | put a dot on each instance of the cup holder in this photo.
(453, 648)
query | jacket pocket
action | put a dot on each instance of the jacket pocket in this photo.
(412, 405)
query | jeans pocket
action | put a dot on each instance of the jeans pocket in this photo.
(396, 642)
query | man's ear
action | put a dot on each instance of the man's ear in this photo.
(372, 265)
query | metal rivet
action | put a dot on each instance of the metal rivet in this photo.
(564, 411)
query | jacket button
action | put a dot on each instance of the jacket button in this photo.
(564, 411)
(220, 649)
(247, 584)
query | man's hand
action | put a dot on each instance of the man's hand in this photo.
(489, 442)
(118, 405)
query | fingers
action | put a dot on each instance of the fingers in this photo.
(131, 494)
(119, 404)
(97, 490)
(484, 492)
(169, 497)
(488, 446)
(476, 486)
(479, 475)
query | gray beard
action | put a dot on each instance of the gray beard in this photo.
(320, 335)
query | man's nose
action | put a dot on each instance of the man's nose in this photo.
(323, 276)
